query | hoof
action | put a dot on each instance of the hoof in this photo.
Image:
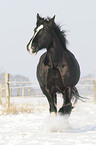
(53, 113)
(66, 109)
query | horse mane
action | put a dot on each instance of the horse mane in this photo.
(61, 33)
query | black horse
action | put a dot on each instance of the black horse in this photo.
(58, 69)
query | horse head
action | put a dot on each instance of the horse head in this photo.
(42, 37)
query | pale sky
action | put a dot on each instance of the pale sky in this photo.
(18, 20)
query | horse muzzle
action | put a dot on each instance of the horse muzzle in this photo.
(31, 50)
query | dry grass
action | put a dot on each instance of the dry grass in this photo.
(24, 108)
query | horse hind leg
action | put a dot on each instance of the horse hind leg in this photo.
(67, 106)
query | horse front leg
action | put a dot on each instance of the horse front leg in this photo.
(54, 96)
(67, 106)
(55, 99)
(52, 99)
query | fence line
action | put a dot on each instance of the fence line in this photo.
(24, 86)
(32, 88)
(94, 90)
(0, 94)
(88, 79)
(7, 89)
(18, 82)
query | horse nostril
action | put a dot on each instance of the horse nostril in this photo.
(33, 48)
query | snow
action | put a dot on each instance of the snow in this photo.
(39, 128)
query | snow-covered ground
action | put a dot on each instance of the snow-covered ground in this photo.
(39, 128)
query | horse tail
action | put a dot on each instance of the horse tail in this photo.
(75, 96)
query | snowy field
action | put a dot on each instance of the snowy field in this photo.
(39, 128)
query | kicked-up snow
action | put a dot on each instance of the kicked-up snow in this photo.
(39, 128)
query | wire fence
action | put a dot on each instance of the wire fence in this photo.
(34, 90)
(86, 87)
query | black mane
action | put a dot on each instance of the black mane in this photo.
(61, 33)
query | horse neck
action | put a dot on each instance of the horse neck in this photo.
(56, 51)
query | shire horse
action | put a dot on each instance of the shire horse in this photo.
(58, 70)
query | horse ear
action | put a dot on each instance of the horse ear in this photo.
(38, 17)
(39, 20)
(52, 20)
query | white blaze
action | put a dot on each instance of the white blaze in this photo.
(37, 31)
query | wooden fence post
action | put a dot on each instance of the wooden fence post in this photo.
(0, 94)
(94, 91)
(10, 92)
(28, 92)
(17, 91)
(22, 92)
(7, 89)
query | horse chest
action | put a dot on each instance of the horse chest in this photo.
(54, 80)
(53, 74)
